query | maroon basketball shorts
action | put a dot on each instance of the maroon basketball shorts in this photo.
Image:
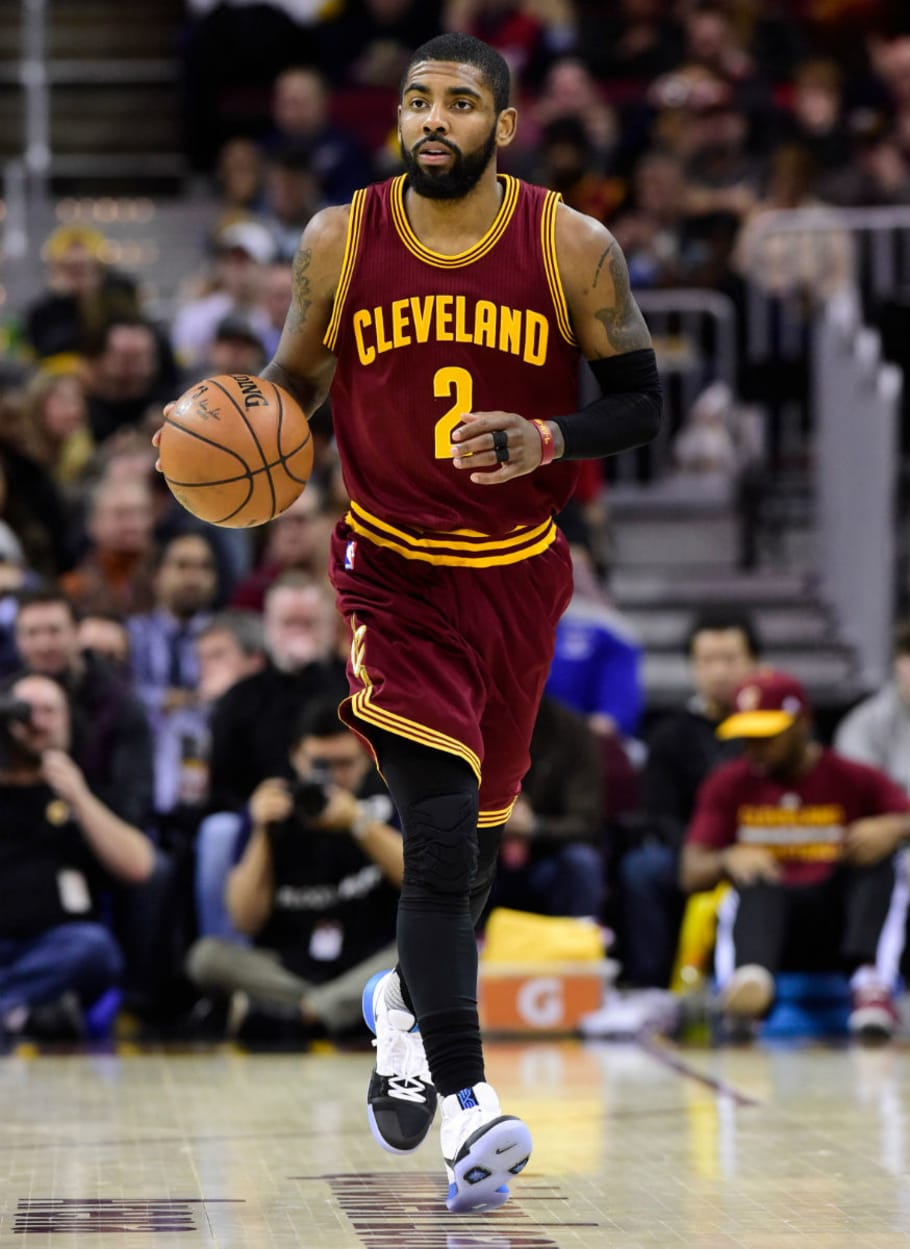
(455, 658)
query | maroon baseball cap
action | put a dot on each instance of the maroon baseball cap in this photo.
(765, 704)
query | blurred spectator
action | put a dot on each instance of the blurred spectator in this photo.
(816, 117)
(229, 648)
(251, 724)
(117, 572)
(682, 750)
(812, 263)
(163, 640)
(242, 252)
(232, 53)
(895, 65)
(297, 539)
(30, 501)
(807, 839)
(596, 667)
(129, 371)
(877, 731)
(653, 228)
(240, 178)
(369, 41)
(568, 166)
(569, 90)
(316, 887)
(878, 173)
(293, 196)
(528, 33)
(705, 445)
(276, 299)
(551, 859)
(252, 721)
(60, 844)
(83, 294)
(55, 413)
(632, 40)
(106, 635)
(238, 346)
(713, 41)
(164, 669)
(111, 738)
(301, 119)
(14, 578)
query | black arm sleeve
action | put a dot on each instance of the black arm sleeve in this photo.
(626, 415)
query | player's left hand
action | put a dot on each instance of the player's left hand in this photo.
(474, 446)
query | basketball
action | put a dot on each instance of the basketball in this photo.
(236, 450)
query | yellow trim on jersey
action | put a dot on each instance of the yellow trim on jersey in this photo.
(489, 819)
(355, 220)
(550, 264)
(509, 203)
(440, 550)
(365, 709)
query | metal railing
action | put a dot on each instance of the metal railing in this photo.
(856, 400)
(694, 333)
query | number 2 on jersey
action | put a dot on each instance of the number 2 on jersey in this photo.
(458, 382)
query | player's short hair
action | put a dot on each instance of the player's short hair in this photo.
(466, 50)
(720, 620)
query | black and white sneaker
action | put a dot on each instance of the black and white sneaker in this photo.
(482, 1148)
(401, 1099)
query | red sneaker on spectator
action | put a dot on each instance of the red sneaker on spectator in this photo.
(873, 1015)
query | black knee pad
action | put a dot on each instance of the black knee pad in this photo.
(440, 844)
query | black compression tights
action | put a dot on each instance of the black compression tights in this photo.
(449, 870)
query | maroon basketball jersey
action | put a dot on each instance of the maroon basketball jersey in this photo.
(421, 338)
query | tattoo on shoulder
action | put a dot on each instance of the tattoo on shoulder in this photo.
(600, 263)
(300, 285)
(622, 320)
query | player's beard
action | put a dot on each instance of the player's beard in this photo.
(456, 181)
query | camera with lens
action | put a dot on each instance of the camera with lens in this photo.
(310, 794)
(12, 711)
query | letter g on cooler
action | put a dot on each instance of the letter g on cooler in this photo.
(540, 1002)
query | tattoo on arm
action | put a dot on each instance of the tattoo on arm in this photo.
(600, 263)
(300, 282)
(624, 325)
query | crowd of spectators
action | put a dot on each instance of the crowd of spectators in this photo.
(166, 680)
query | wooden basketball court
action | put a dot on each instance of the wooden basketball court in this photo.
(635, 1146)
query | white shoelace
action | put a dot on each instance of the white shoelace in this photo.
(400, 1058)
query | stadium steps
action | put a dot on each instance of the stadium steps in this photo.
(672, 558)
(113, 71)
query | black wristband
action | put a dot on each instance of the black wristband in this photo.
(626, 415)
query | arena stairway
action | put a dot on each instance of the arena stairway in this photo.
(114, 75)
(674, 554)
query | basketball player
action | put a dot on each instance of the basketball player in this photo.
(448, 309)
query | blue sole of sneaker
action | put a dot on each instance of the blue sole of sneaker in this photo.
(366, 1001)
(494, 1157)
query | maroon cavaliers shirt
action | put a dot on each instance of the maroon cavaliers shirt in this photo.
(422, 337)
(802, 823)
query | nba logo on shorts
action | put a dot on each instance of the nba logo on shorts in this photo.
(350, 553)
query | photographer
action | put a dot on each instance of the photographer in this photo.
(316, 888)
(59, 844)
